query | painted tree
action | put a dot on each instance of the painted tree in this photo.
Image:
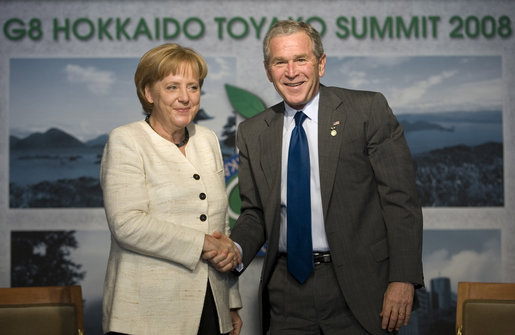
(42, 258)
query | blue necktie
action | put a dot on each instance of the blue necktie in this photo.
(299, 245)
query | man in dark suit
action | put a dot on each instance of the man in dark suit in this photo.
(365, 222)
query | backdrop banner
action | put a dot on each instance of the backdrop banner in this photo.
(447, 69)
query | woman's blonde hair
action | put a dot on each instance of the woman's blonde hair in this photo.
(159, 62)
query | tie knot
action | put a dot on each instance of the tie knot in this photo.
(299, 118)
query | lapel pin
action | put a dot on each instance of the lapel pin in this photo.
(333, 128)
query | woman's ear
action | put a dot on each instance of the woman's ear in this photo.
(148, 94)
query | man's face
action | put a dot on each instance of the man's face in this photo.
(293, 68)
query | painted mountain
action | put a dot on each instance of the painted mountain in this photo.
(54, 169)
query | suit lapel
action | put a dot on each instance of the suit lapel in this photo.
(270, 141)
(271, 147)
(331, 120)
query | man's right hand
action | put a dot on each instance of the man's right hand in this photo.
(221, 251)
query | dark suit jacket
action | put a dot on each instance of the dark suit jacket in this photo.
(372, 216)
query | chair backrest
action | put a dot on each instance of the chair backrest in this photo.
(42, 310)
(483, 298)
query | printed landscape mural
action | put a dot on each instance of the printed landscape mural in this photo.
(450, 108)
(80, 258)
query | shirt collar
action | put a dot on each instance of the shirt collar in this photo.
(311, 109)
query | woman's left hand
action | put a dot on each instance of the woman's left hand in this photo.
(236, 322)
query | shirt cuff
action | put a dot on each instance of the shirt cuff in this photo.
(239, 268)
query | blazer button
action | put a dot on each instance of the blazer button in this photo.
(203, 217)
(202, 196)
(196, 176)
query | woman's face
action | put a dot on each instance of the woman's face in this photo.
(176, 99)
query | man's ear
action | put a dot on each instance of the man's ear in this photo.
(321, 66)
(267, 70)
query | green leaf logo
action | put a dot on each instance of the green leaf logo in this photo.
(244, 102)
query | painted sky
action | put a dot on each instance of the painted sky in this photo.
(423, 84)
(92, 254)
(90, 97)
(462, 255)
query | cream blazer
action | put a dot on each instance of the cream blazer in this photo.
(159, 204)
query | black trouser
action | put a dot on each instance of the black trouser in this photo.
(209, 319)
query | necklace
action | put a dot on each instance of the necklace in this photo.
(186, 135)
(186, 138)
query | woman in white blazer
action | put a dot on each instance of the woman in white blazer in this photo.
(164, 196)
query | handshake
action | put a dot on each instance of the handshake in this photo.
(221, 251)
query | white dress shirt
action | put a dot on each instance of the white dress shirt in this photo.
(310, 126)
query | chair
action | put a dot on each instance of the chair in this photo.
(485, 308)
(41, 310)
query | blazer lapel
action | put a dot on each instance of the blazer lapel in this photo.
(271, 146)
(270, 141)
(331, 119)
